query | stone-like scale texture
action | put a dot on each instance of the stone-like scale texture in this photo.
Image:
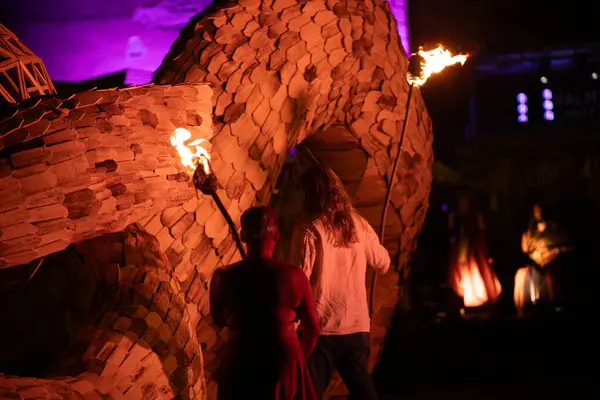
(74, 169)
(143, 347)
(280, 71)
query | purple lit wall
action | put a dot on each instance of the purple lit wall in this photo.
(399, 9)
(81, 40)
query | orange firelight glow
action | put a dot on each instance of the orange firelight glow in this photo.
(472, 285)
(434, 61)
(192, 154)
(469, 282)
(527, 288)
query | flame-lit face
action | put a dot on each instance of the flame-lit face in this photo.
(434, 61)
(192, 154)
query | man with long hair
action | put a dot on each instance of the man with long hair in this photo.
(334, 245)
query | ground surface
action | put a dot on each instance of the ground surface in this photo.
(501, 358)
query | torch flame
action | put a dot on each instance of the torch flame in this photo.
(434, 61)
(190, 159)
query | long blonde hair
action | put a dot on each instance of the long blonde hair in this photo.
(326, 198)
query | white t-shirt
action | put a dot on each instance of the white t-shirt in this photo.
(337, 274)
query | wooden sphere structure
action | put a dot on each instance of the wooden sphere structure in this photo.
(22, 73)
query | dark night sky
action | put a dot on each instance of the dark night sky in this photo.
(478, 27)
(502, 25)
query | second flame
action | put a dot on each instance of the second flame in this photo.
(192, 154)
(434, 61)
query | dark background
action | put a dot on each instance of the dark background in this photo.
(483, 29)
(502, 25)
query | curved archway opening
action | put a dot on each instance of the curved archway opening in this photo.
(339, 150)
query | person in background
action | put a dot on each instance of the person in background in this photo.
(259, 299)
(334, 245)
(544, 242)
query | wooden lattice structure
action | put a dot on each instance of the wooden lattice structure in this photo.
(22, 73)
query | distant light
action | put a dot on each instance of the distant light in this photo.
(292, 152)
(544, 80)
(548, 105)
(547, 94)
(522, 107)
(445, 207)
(594, 76)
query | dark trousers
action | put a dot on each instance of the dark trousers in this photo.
(349, 354)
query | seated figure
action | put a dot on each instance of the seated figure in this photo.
(543, 242)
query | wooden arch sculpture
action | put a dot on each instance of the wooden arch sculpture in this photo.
(255, 78)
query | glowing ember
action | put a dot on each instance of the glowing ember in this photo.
(192, 154)
(433, 62)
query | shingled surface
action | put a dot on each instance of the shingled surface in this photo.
(284, 70)
(280, 71)
(143, 346)
(75, 169)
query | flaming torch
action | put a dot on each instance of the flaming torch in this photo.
(421, 66)
(196, 159)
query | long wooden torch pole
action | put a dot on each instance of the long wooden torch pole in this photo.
(230, 223)
(388, 194)
(207, 184)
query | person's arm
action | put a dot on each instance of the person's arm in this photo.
(307, 314)
(216, 300)
(303, 250)
(378, 257)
